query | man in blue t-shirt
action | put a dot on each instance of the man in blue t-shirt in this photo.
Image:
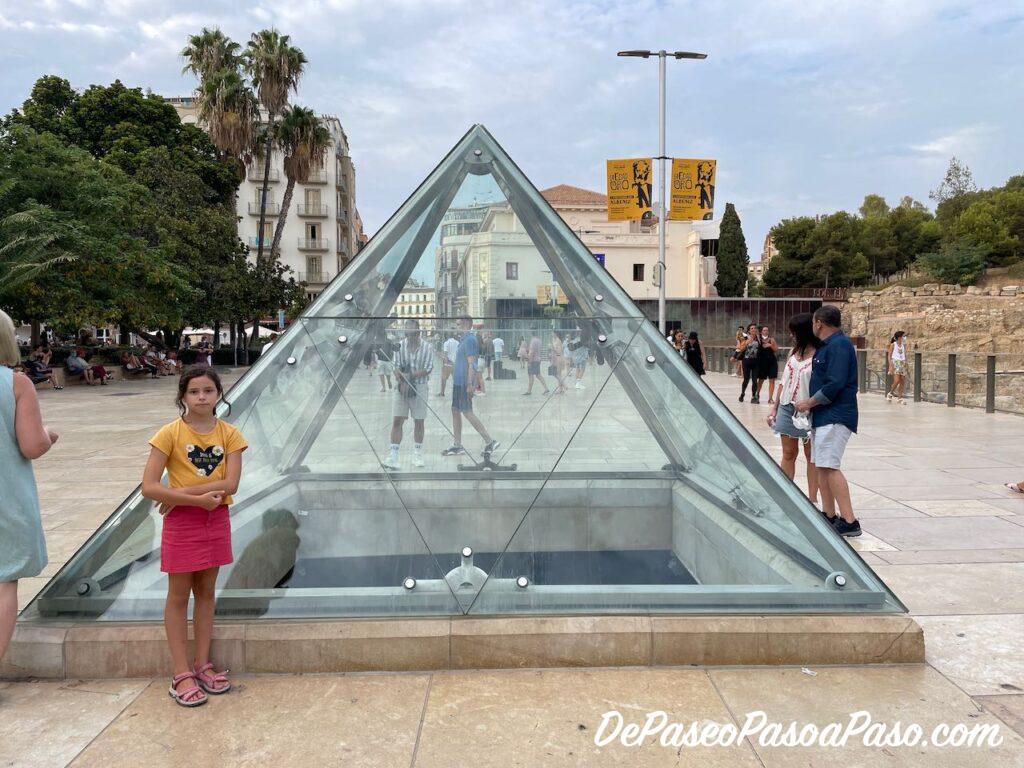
(463, 387)
(833, 408)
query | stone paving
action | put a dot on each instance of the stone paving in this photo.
(939, 529)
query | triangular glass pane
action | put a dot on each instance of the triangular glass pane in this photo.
(689, 514)
(476, 238)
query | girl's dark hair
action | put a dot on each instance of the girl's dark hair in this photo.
(896, 336)
(197, 372)
(801, 326)
(692, 336)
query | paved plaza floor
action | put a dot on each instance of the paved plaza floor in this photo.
(940, 529)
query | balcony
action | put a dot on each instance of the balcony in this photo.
(306, 244)
(312, 278)
(342, 182)
(273, 209)
(254, 242)
(256, 174)
(317, 177)
(318, 211)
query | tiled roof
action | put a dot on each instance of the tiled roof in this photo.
(568, 194)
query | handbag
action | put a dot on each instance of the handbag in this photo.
(552, 370)
(802, 420)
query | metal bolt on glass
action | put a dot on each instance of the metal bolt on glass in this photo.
(290, 361)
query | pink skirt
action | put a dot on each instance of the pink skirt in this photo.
(194, 539)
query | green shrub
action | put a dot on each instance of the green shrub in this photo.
(960, 262)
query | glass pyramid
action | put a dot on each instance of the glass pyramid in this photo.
(620, 483)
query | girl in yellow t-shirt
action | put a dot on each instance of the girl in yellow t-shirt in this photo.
(203, 459)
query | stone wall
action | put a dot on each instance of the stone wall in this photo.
(940, 317)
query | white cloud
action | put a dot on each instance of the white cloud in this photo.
(802, 101)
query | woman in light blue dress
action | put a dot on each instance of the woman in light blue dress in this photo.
(22, 438)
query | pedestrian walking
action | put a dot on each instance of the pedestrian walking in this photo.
(750, 349)
(897, 354)
(767, 363)
(533, 366)
(737, 355)
(463, 389)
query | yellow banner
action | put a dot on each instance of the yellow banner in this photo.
(629, 189)
(693, 190)
(544, 295)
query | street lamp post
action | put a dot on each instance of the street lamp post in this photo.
(662, 207)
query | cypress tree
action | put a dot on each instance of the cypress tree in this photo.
(732, 255)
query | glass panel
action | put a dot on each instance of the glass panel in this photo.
(305, 543)
(477, 497)
(620, 482)
(709, 529)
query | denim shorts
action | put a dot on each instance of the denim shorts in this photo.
(784, 423)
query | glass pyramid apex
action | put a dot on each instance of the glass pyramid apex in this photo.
(575, 463)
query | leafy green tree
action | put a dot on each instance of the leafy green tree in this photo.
(792, 239)
(995, 222)
(958, 181)
(72, 244)
(733, 259)
(874, 206)
(961, 262)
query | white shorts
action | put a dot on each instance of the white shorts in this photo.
(827, 445)
(415, 405)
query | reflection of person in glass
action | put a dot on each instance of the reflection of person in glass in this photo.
(642, 182)
(463, 388)
(414, 362)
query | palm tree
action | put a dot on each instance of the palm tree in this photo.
(230, 111)
(304, 141)
(227, 106)
(275, 66)
(208, 52)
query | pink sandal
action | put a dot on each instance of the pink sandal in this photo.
(190, 697)
(212, 681)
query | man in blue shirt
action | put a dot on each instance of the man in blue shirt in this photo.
(463, 388)
(833, 408)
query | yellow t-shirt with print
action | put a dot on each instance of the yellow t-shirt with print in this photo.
(194, 458)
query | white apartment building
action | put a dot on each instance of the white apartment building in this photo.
(322, 229)
(418, 302)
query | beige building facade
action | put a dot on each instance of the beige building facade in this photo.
(630, 249)
(322, 229)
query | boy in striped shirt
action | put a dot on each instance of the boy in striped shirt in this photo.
(414, 362)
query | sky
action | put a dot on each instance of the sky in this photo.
(807, 105)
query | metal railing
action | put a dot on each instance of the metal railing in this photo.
(256, 174)
(254, 241)
(312, 245)
(313, 210)
(312, 277)
(974, 380)
(273, 209)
